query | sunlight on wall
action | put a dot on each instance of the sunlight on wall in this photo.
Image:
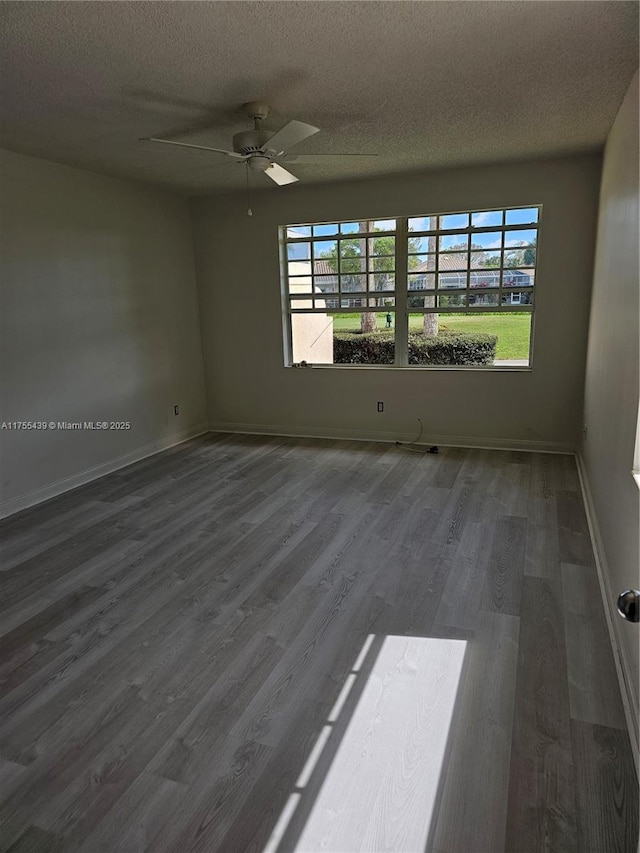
(380, 790)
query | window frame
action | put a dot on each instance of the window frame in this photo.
(401, 293)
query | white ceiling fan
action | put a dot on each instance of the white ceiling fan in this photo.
(266, 150)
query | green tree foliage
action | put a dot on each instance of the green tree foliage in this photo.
(529, 254)
(516, 256)
(381, 256)
(352, 263)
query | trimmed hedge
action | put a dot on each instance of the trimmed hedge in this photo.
(446, 348)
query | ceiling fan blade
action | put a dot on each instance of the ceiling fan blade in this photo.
(290, 134)
(279, 175)
(189, 145)
(328, 158)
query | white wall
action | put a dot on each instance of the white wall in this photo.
(248, 387)
(99, 322)
(612, 376)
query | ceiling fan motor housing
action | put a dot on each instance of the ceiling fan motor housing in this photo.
(251, 141)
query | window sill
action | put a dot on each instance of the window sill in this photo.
(484, 368)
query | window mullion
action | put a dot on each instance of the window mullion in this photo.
(402, 287)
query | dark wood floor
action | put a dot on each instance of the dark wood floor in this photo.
(194, 645)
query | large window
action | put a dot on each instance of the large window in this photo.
(444, 290)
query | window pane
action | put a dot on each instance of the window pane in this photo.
(298, 251)
(382, 245)
(324, 230)
(353, 283)
(421, 281)
(421, 244)
(517, 297)
(326, 283)
(486, 219)
(299, 283)
(353, 264)
(423, 223)
(529, 257)
(382, 281)
(302, 303)
(325, 249)
(325, 266)
(512, 331)
(488, 240)
(294, 231)
(452, 300)
(453, 221)
(351, 341)
(299, 268)
(448, 280)
(351, 248)
(482, 300)
(381, 264)
(419, 266)
(454, 241)
(485, 278)
(312, 338)
(513, 258)
(454, 261)
(421, 300)
(518, 278)
(384, 225)
(526, 237)
(485, 260)
(349, 227)
(523, 216)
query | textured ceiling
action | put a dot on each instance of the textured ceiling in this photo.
(422, 84)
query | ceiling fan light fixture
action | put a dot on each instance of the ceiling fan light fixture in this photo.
(258, 163)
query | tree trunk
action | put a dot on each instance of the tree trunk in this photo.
(368, 319)
(431, 320)
(431, 325)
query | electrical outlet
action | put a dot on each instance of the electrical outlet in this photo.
(176, 409)
(380, 406)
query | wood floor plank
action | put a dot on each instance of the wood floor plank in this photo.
(574, 539)
(541, 814)
(505, 568)
(594, 695)
(252, 829)
(606, 789)
(10, 776)
(182, 636)
(133, 824)
(513, 488)
(459, 605)
(542, 546)
(473, 807)
(36, 840)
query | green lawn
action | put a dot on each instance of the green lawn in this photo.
(513, 330)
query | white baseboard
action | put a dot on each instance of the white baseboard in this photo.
(609, 598)
(381, 435)
(60, 486)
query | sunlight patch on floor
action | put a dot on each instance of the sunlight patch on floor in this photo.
(381, 787)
